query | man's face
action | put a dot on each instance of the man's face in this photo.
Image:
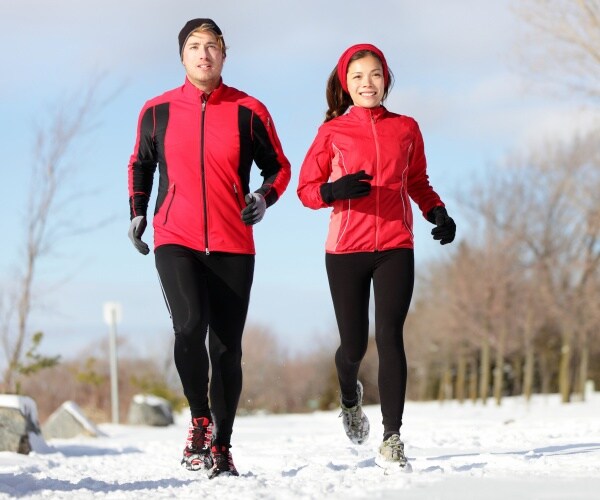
(203, 60)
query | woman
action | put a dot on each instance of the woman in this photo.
(365, 163)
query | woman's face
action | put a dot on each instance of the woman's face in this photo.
(365, 81)
(203, 60)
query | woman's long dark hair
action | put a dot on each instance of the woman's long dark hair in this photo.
(338, 100)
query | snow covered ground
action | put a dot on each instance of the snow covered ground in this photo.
(540, 450)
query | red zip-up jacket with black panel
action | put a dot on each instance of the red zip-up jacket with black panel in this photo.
(204, 146)
(385, 145)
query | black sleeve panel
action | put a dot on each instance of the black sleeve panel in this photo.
(256, 146)
(160, 131)
(265, 157)
(143, 165)
(246, 147)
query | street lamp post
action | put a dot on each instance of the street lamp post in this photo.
(112, 316)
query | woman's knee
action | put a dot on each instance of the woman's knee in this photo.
(352, 355)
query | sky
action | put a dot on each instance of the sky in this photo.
(456, 73)
(538, 450)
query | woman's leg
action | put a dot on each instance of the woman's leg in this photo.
(350, 285)
(393, 282)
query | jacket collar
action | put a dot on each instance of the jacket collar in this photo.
(192, 92)
(369, 114)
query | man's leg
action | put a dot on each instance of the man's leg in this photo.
(183, 280)
(229, 284)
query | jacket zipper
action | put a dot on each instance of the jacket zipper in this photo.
(203, 174)
(376, 140)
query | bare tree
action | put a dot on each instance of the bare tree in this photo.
(562, 46)
(560, 238)
(46, 221)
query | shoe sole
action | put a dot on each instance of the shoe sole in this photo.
(202, 464)
(224, 473)
(391, 467)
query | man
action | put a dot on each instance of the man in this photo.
(204, 137)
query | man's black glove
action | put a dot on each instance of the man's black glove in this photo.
(346, 187)
(445, 229)
(256, 206)
(136, 229)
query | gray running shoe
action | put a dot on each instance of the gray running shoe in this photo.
(391, 454)
(356, 423)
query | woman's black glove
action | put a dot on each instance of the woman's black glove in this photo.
(346, 187)
(445, 229)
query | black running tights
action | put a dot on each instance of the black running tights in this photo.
(350, 276)
(203, 291)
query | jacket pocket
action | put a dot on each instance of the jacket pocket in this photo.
(170, 199)
(239, 197)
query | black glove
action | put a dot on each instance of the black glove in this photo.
(445, 229)
(346, 187)
(256, 206)
(136, 229)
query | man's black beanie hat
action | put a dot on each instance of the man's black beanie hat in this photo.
(193, 24)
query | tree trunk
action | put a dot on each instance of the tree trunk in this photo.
(461, 375)
(517, 366)
(473, 380)
(545, 372)
(564, 375)
(583, 368)
(499, 369)
(445, 391)
(528, 372)
(484, 380)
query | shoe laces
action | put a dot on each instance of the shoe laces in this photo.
(396, 446)
(199, 433)
(222, 457)
(352, 416)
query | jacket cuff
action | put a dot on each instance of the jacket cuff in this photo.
(327, 193)
(433, 211)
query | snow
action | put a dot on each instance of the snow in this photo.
(537, 450)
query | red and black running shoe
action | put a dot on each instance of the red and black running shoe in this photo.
(196, 454)
(222, 462)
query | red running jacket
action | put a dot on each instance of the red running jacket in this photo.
(390, 148)
(204, 146)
